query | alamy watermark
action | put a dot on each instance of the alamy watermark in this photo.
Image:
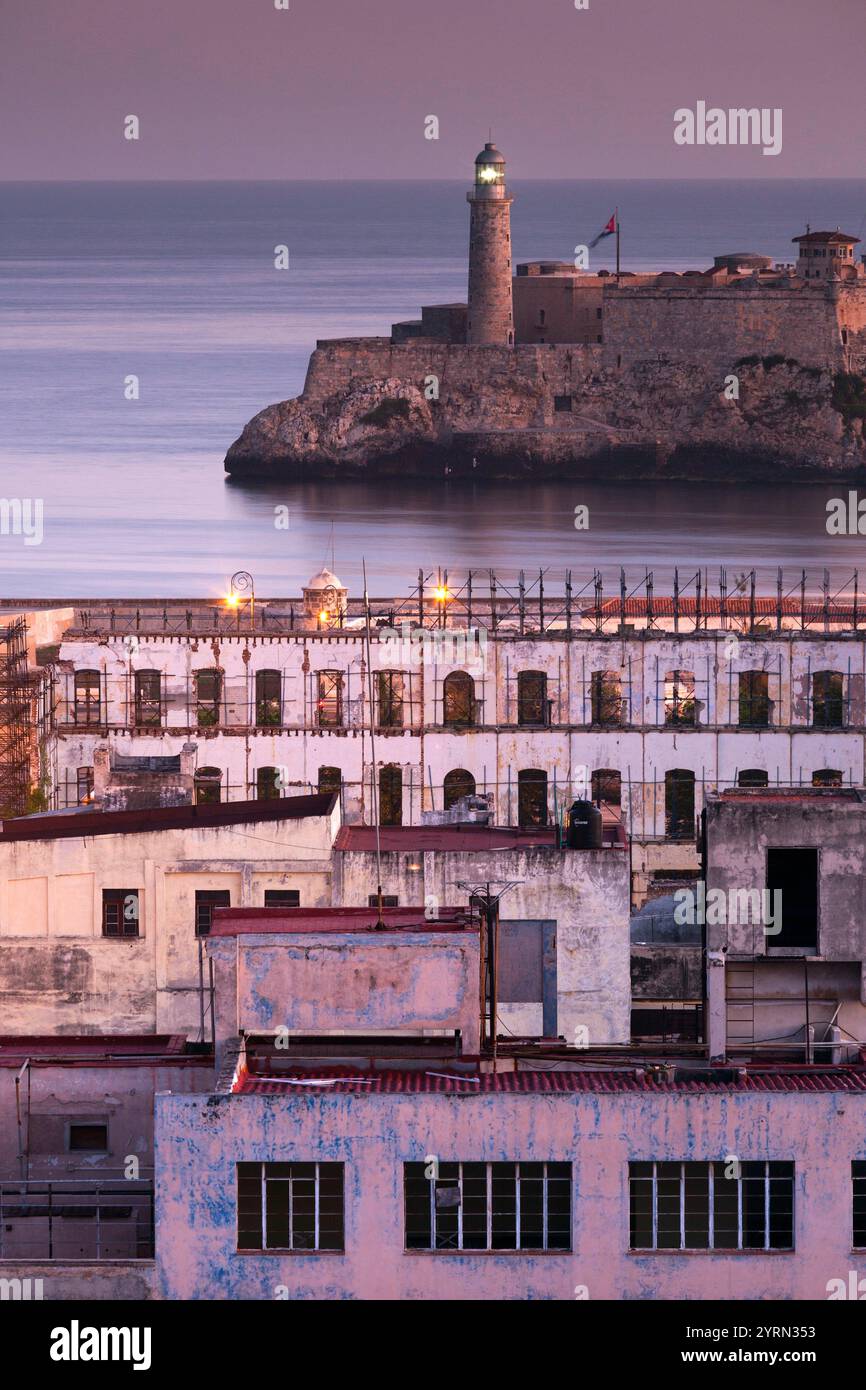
(22, 516)
(736, 907)
(737, 126)
(422, 646)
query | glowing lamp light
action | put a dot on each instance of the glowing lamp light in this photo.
(232, 600)
(440, 593)
(487, 173)
(324, 615)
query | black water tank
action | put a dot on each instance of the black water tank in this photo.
(584, 826)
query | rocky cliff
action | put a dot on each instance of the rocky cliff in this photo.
(373, 407)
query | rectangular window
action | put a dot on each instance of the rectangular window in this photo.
(88, 1138)
(562, 403)
(120, 912)
(858, 1184)
(148, 703)
(388, 900)
(329, 707)
(205, 902)
(282, 897)
(488, 1206)
(390, 699)
(794, 872)
(712, 1206)
(290, 1206)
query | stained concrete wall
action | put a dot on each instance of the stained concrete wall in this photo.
(199, 1142)
(58, 974)
(585, 892)
(312, 982)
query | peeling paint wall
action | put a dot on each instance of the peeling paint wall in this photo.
(199, 1142)
(313, 983)
(585, 892)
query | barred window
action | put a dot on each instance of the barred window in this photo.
(269, 705)
(858, 1184)
(754, 699)
(712, 1206)
(290, 1206)
(329, 704)
(390, 692)
(828, 704)
(87, 706)
(282, 897)
(680, 697)
(148, 698)
(487, 1206)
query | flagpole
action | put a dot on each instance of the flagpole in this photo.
(616, 214)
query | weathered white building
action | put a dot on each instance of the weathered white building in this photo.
(647, 704)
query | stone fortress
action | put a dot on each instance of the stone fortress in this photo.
(747, 369)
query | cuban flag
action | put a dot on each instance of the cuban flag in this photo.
(609, 229)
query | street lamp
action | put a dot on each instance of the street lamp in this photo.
(241, 586)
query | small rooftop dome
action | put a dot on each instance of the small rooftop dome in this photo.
(323, 580)
(490, 155)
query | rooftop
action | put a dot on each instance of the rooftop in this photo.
(239, 921)
(459, 839)
(87, 820)
(610, 1080)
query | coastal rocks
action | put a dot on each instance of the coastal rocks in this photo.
(563, 412)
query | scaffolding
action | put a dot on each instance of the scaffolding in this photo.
(15, 719)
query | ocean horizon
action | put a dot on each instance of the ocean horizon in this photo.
(174, 283)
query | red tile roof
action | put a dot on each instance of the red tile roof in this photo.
(64, 825)
(238, 921)
(602, 1081)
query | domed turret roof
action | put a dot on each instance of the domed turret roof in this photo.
(324, 580)
(490, 155)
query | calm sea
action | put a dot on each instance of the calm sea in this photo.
(175, 284)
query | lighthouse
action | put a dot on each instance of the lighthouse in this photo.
(491, 313)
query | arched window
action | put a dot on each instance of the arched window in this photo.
(532, 697)
(680, 804)
(87, 697)
(607, 786)
(532, 797)
(208, 695)
(828, 705)
(606, 692)
(268, 784)
(390, 795)
(330, 779)
(148, 704)
(458, 699)
(680, 697)
(458, 783)
(827, 777)
(269, 704)
(754, 699)
(208, 786)
(752, 777)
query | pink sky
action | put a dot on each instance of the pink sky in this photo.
(340, 88)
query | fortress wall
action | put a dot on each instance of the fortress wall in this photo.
(715, 327)
(339, 364)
